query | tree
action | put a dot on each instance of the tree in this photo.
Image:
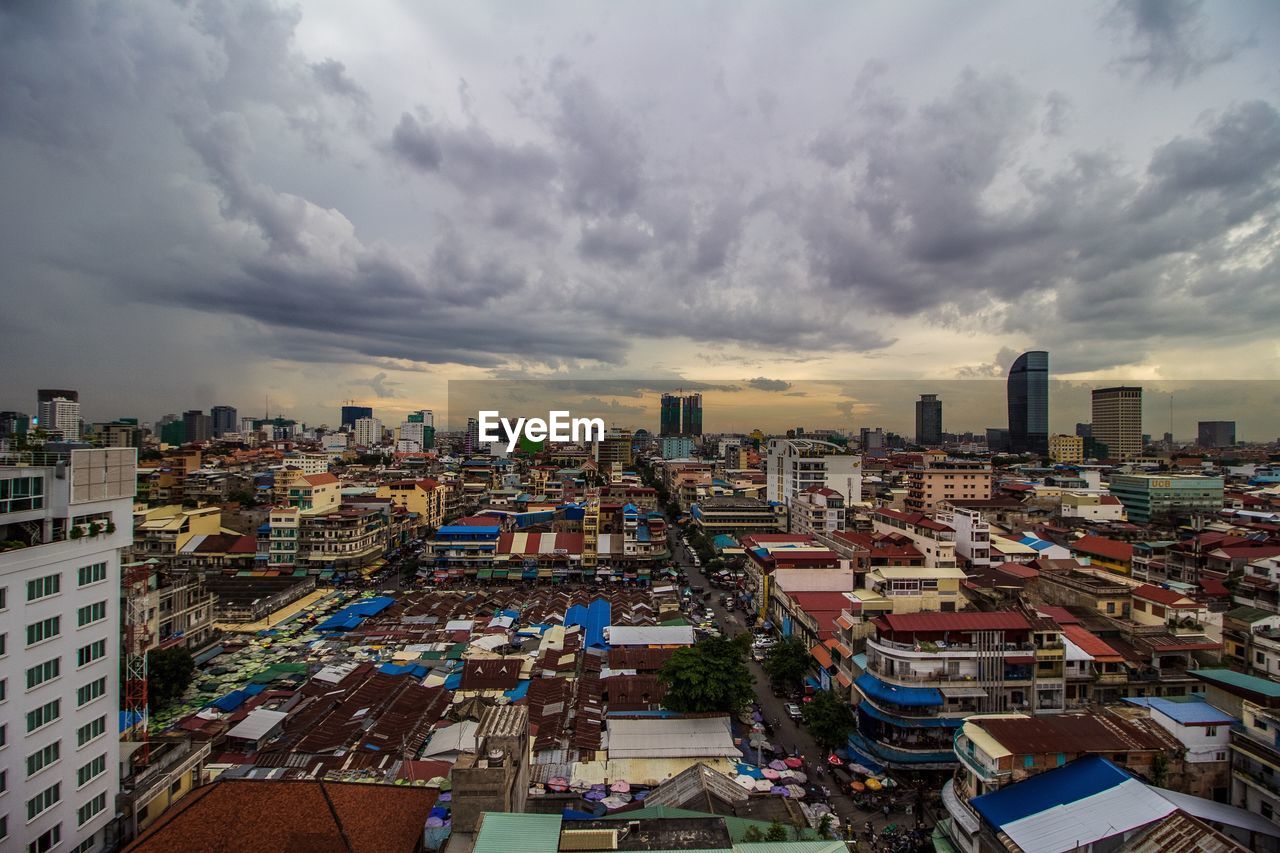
(787, 663)
(244, 497)
(829, 718)
(753, 834)
(709, 676)
(169, 672)
(777, 832)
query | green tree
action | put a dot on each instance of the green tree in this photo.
(777, 832)
(243, 497)
(169, 672)
(829, 718)
(753, 834)
(709, 676)
(787, 663)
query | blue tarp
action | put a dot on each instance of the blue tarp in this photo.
(416, 670)
(128, 719)
(352, 615)
(910, 722)
(743, 769)
(518, 692)
(598, 616)
(812, 682)
(575, 615)
(1070, 783)
(236, 698)
(573, 814)
(453, 682)
(907, 697)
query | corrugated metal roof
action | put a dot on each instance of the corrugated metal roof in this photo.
(651, 635)
(502, 832)
(671, 738)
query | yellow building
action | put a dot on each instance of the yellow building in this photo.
(424, 497)
(161, 532)
(911, 589)
(1067, 449)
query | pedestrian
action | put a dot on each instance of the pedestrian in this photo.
(886, 810)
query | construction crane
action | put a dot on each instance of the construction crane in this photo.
(135, 583)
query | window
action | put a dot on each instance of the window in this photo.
(88, 692)
(4, 827)
(44, 587)
(91, 730)
(44, 715)
(45, 629)
(43, 801)
(3, 645)
(1267, 810)
(1220, 756)
(91, 771)
(42, 758)
(4, 734)
(86, 575)
(91, 809)
(1259, 657)
(88, 654)
(21, 494)
(1211, 731)
(4, 689)
(4, 598)
(4, 781)
(47, 841)
(42, 672)
(1029, 761)
(91, 613)
(84, 846)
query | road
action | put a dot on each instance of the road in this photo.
(791, 736)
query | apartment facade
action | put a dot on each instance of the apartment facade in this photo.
(947, 480)
(795, 464)
(60, 644)
(1066, 449)
(1117, 420)
(1149, 496)
(818, 510)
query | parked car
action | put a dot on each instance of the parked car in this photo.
(793, 711)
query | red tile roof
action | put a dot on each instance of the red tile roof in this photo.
(1101, 546)
(320, 479)
(1017, 570)
(1091, 644)
(490, 674)
(1167, 597)
(1058, 614)
(1213, 587)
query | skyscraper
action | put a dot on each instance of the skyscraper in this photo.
(197, 426)
(928, 420)
(691, 416)
(471, 442)
(669, 423)
(351, 414)
(224, 420)
(1117, 420)
(60, 416)
(1216, 434)
(1028, 390)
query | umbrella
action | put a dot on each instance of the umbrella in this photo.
(446, 797)
(748, 770)
(620, 787)
(801, 777)
(858, 768)
(874, 784)
(758, 717)
(795, 791)
(794, 762)
(857, 786)
(639, 795)
(435, 821)
(780, 791)
(769, 773)
(613, 802)
(594, 795)
(746, 782)
(888, 783)
(763, 785)
(778, 765)
(834, 760)
(626, 798)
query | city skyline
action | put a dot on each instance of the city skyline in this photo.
(266, 208)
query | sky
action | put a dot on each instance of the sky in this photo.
(293, 205)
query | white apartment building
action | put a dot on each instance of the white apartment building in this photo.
(60, 644)
(368, 432)
(934, 539)
(61, 416)
(817, 510)
(973, 535)
(411, 436)
(795, 464)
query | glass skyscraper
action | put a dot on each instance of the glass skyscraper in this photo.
(1029, 403)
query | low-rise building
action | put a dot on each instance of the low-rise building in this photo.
(1090, 506)
(934, 539)
(947, 480)
(738, 516)
(1164, 497)
(817, 510)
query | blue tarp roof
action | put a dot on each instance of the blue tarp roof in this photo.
(907, 697)
(910, 722)
(236, 698)
(518, 692)
(724, 540)
(1187, 713)
(453, 681)
(1074, 781)
(598, 616)
(128, 719)
(860, 757)
(416, 670)
(460, 529)
(352, 615)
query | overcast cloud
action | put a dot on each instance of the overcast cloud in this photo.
(215, 201)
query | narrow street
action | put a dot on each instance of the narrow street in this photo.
(789, 735)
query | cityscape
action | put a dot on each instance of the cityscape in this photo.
(733, 428)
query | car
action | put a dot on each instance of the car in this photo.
(793, 711)
(757, 655)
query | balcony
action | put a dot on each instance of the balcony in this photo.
(1257, 780)
(958, 809)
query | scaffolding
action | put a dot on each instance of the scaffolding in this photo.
(136, 584)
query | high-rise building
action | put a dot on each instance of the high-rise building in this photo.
(1028, 394)
(61, 664)
(670, 417)
(423, 416)
(793, 465)
(1216, 434)
(997, 440)
(471, 441)
(223, 420)
(1117, 420)
(615, 448)
(928, 420)
(14, 424)
(351, 414)
(691, 416)
(197, 426)
(368, 432)
(872, 439)
(59, 413)
(1084, 430)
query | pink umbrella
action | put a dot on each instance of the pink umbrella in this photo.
(620, 787)
(769, 773)
(778, 765)
(793, 763)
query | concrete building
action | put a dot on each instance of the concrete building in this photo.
(817, 510)
(614, 449)
(197, 427)
(691, 415)
(225, 420)
(1117, 420)
(1159, 497)
(60, 660)
(795, 464)
(60, 417)
(929, 420)
(733, 515)
(669, 422)
(368, 432)
(1214, 434)
(1091, 506)
(1066, 449)
(351, 414)
(412, 436)
(930, 484)
(675, 446)
(972, 535)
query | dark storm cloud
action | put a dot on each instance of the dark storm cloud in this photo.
(566, 204)
(1169, 39)
(760, 383)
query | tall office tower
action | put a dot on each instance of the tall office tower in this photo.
(351, 414)
(669, 423)
(928, 420)
(14, 424)
(59, 412)
(471, 442)
(872, 439)
(197, 426)
(61, 664)
(691, 416)
(224, 419)
(1084, 430)
(1117, 420)
(368, 432)
(997, 440)
(1216, 434)
(411, 436)
(1028, 392)
(423, 416)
